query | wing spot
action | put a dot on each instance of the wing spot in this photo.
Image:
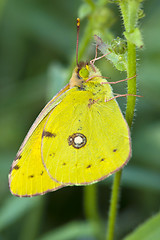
(16, 167)
(115, 150)
(64, 164)
(17, 157)
(91, 102)
(48, 134)
(52, 154)
(41, 173)
(30, 176)
(89, 166)
(77, 140)
(102, 160)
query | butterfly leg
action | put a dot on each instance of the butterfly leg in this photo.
(123, 80)
(97, 58)
(122, 95)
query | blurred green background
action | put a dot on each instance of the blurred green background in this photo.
(37, 52)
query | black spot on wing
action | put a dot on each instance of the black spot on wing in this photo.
(115, 150)
(30, 176)
(102, 160)
(52, 154)
(16, 167)
(89, 166)
(17, 157)
(48, 134)
(41, 173)
(91, 102)
(64, 164)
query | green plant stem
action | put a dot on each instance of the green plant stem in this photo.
(129, 12)
(131, 71)
(113, 206)
(90, 202)
(91, 209)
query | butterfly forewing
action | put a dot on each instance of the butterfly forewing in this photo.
(28, 177)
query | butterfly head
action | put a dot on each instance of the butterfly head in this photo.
(82, 73)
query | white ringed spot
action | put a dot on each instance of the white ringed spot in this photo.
(77, 140)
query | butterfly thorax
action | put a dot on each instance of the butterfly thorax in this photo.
(88, 78)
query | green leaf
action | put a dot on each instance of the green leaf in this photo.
(135, 37)
(70, 231)
(141, 178)
(14, 208)
(150, 230)
(136, 177)
(147, 146)
(56, 77)
(84, 10)
(118, 60)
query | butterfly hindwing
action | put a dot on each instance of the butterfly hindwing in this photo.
(81, 143)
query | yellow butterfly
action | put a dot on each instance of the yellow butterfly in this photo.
(79, 138)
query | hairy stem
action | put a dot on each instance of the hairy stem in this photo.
(131, 71)
(129, 11)
(113, 206)
(91, 209)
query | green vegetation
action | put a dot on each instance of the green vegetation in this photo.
(37, 55)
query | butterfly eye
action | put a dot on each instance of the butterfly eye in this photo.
(84, 72)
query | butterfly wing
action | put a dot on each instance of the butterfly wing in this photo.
(49, 106)
(82, 142)
(28, 177)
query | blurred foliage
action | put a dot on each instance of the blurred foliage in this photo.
(37, 52)
(148, 231)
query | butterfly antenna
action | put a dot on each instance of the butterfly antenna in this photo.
(78, 27)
